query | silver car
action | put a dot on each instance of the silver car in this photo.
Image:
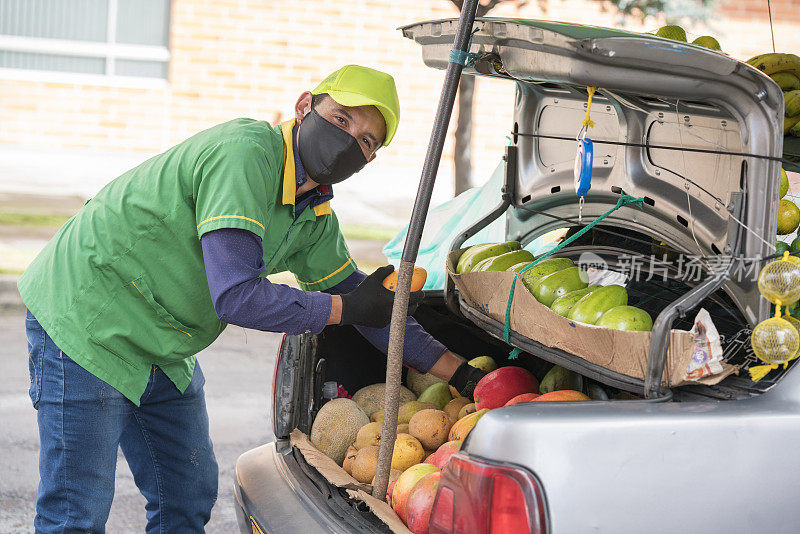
(654, 458)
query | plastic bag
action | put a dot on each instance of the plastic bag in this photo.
(446, 221)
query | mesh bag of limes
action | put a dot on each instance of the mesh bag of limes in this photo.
(776, 340)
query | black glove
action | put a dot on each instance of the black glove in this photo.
(466, 378)
(370, 304)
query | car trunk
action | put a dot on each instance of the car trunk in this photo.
(652, 93)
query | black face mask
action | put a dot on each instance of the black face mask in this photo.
(329, 154)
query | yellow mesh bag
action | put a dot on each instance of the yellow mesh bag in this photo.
(775, 341)
(796, 324)
(779, 282)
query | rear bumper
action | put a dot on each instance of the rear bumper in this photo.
(277, 494)
(266, 495)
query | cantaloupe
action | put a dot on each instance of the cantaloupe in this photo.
(419, 382)
(371, 398)
(336, 427)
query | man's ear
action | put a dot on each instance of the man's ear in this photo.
(303, 106)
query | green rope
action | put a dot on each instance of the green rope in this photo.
(624, 199)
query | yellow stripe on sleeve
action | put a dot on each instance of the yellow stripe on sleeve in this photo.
(231, 217)
(334, 273)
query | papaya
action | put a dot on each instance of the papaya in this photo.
(626, 318)
(563, 304)
(503, 261)
(559, 378)
(477, 253)
(543, 268)
(518, 267)
(552, 286)
(592, 306)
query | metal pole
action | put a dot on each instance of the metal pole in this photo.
(394, 361)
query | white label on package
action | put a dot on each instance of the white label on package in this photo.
(707, 357)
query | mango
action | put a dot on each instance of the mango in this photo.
(485, 363)
(404, 485)
(443, 454)
(560, 378)
(592, 306)
(477, 253)
(463, 426)
(525, 397)
(561, 396)
(437, 394)
(552, 286)
(626, 318)
(595, 392)
(563, 304)
(501, 385)
(420, 503)
(543, 268)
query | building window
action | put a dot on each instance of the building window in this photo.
(110, 38)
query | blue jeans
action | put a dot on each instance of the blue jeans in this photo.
(82, 422)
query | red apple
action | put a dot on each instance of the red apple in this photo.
(420, 503)
(525, 397)
(562, 395)
(502, 385)
(405, 484)
(443, 453)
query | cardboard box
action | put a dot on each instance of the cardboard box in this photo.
(621, 351)
(337, 476)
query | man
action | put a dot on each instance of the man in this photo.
(149, 272)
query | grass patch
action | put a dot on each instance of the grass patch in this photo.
(10, 271)
(369, 233)
(32, 219)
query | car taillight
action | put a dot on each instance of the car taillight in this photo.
(275, 371)
(476, 496)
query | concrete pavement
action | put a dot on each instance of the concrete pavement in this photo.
(238, 369)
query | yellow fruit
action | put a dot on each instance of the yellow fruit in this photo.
(786, 81)
(790, 123)
(776, 62)
(365, 464)
(407, 451)
(369, 434)
(784, 183)
(788, 217)
(792, 101)
(430, 427)
(672, 31)
(349, 456)
(708, 42)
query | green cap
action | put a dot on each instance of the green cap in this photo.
(353, 85)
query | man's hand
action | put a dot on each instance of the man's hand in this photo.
(465, 378)
(370, 304)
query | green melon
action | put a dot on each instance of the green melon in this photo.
(563, 304)
(503, 261)
(592, 306)
(552, 286)
(543, 268)
(626, 318)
